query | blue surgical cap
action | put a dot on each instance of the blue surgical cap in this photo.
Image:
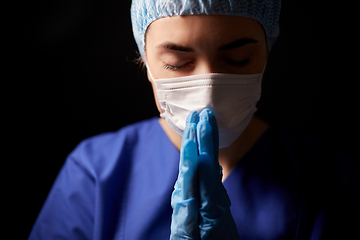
(144, 12)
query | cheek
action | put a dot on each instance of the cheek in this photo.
(155, 94)
(154, 64)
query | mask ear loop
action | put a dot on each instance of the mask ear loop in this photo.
(156, 88)
(147, 67)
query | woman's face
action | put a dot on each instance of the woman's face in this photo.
(190, 45)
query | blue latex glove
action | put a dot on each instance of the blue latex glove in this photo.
(201, 206)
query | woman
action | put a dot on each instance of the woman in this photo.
(206, 56)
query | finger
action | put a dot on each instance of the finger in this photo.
(188, 167)
(184, 223)
(193, 117)
(188, 135)
(188, 158)
(208, 139)
(205, 134)
(210, 117)
(207, 180)
(215, 219)
(208, 165)
(215, 132)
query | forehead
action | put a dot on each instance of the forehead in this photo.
(204, 29)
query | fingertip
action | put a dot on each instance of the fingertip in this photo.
(204, 114)
(189, 132)
(204, 136)
(193, 117)
(204, 128)
(207, 115)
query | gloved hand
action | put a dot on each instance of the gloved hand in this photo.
(201, 206)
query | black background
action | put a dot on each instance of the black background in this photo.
(74, 76)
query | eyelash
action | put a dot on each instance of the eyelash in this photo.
(176, 68)
(229, 62)
(238, 64)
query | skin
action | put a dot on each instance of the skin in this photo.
(190, 45)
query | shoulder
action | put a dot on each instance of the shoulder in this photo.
(109, 149)
(129, 134)
(315, 160)
(327, 181)
(304, 146)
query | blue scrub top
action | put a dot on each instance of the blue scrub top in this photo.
(118, 186)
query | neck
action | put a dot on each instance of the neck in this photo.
(230, 156)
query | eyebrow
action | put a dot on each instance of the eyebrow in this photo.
(175, 47)
(237, 43)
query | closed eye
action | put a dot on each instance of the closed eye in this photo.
(237, 63)
(176, 68)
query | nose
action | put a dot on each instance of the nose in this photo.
(208, 65)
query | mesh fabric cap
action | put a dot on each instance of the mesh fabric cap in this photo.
(144, 12)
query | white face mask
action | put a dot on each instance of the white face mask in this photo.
(231, 97)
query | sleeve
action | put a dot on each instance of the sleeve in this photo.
(68, 212)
